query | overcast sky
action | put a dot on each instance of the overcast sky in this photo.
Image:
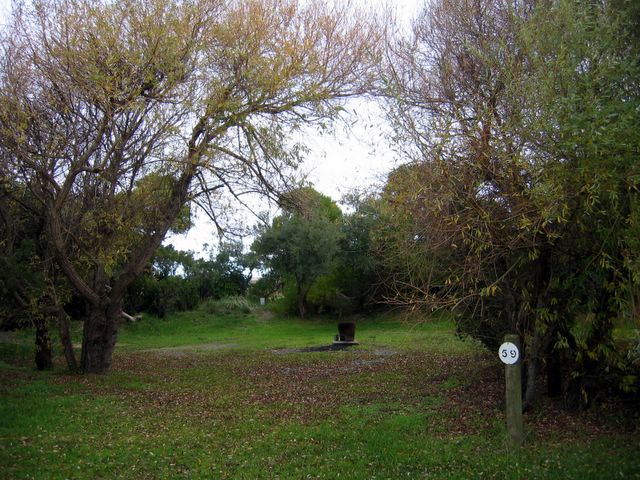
(355, 157)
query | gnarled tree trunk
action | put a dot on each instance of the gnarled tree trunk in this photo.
(100, 333)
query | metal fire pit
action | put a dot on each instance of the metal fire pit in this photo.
(346, 334)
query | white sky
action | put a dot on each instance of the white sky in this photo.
(354, 158)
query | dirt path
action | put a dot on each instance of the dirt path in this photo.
(189, 349)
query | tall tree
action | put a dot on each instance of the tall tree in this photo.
(518, 117)
(117, 114)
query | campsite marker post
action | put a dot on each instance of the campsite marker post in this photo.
(509, 354)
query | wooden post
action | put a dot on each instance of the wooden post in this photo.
(513, 383)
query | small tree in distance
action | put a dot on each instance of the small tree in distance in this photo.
(302, 243)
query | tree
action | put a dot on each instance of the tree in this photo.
(32, 291)
(23, 289)
(117, 114)
(303, 242)
(227, 272)
(357, 268)
(591, 102)
(177, 281)
(519, 197)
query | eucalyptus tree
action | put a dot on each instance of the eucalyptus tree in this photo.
(118, 115)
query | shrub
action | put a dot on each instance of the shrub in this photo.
(227, 306)
(161, 296)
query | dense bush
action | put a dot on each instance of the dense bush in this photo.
(161, 296)
(177, 281)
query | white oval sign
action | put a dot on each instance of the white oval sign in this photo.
(508, 353)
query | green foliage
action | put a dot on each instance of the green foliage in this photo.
(595, 130)
(22, 271)
(324, 292)
(266, 286)
(227, 306)
(358, 270)
(161, 296)
(302, 243)
(519, 210)
(310, 204)
(119, 116)
(323, 253)
(286, 302)
(179, 282)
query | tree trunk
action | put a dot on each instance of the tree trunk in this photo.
(533, 360)
(302, 305)
(536, 344)
(554, 375)
(43, 345)
(65, 339)
(99, 338)
(301, 296)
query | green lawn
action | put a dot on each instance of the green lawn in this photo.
(230, 397)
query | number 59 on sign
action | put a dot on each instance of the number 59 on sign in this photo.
(508, 353)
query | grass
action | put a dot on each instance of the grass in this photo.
(409, 402)
(264, 331)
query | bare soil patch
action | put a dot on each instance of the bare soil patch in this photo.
(184, 350)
